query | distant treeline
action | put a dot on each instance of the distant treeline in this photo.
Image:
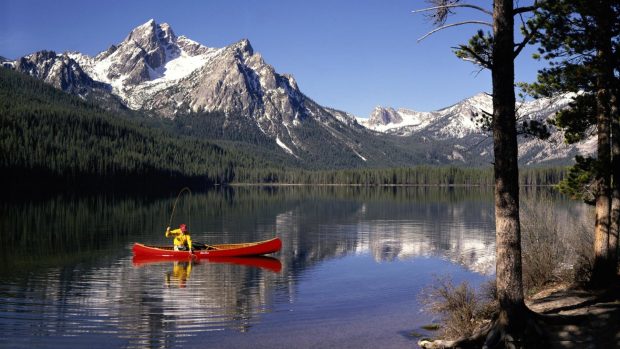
(416, 175)
(49, 137)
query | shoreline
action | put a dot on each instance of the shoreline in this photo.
(590, 318)
(375, 185)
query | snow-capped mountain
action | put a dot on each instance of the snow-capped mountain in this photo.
(236, 92)
(459, 127)
(155, 70)
(455, 121)
(60, 71)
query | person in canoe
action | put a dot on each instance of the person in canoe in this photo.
(182, 240)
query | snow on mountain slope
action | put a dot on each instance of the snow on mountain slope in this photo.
(155, 70)
(60, 71)
(457, 127)
(150, 59)
(455, 121)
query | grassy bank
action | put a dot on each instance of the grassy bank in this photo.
(557, 252)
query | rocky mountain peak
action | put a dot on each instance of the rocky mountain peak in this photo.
(291, 81)
(165, 33)
(154, 70)
(147, 47)
(40, 56)
(60, 71)
(191, 47)
(479, 101)
(384, 116)
(151, 33)
(244, 47)
(103, 55)
(157, 41)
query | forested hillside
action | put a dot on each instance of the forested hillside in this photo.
(51, 137)
(48, 135)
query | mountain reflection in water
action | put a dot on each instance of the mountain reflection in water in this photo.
(69, 278)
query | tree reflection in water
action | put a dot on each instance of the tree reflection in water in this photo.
(68, 271)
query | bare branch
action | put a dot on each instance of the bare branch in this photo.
(479, 71)
(453, 25)
(481, 9)
(472, 60)
(523, 25)
(524, 9)
(527, 38)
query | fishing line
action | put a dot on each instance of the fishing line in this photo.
(174, 207)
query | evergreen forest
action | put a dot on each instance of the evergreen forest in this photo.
(51, 138)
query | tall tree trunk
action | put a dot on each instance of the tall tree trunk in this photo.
(604, 82)
(508, 233)
(615, 178)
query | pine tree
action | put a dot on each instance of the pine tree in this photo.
(580, 40)
(496, 51)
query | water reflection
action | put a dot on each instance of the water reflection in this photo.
(180, 272)
(264, 262)
(69, 278)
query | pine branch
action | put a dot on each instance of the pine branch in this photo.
(522, 45)
(477, 58)
(481, 9)
(453, 25)
(528, 36)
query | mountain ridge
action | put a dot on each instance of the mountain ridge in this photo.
(169, 76)
(461, 125)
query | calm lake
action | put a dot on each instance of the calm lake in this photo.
(349, 273)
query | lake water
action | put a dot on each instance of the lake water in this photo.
(352, 265)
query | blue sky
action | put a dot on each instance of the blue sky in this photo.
(350, 55)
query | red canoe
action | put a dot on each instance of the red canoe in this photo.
(223, 250)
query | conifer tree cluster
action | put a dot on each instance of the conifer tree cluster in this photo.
(581, 42)
(47, 135)
(50, 137)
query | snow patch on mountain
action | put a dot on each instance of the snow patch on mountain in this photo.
(384, 119)
(180, 67)
(359, 155)
(151, 59)
(456, 121)
(459, 124)
(283, 146)
(154, 70)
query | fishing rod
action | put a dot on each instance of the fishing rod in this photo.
(174, 207)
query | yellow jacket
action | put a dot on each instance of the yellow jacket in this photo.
(180, 239)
